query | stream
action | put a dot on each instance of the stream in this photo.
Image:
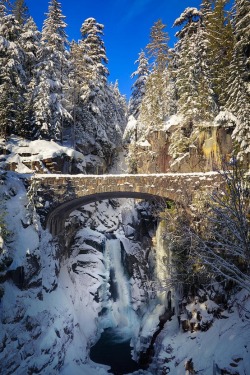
(119, 323)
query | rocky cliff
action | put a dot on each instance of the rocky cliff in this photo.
(181, 146)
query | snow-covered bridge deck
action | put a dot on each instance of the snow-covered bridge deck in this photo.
(57, 195)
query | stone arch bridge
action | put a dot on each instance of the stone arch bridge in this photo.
(55, 196)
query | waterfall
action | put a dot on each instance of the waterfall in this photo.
(119, 320)
(117, 302)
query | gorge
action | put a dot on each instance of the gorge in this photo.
(109, 274)
(125, 222)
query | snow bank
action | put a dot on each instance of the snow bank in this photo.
(22, 151)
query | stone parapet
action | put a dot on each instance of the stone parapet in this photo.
(58, 195)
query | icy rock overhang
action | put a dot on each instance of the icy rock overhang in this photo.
(41, 156)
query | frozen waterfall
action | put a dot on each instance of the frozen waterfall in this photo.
(117, 288)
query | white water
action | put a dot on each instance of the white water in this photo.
(120, 314)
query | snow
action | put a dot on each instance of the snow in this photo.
(39, 149)
(94, 176)
(120, 163)
(186, 14)
(21, 151)
(130, 128)
(143, 143)
(225, 118)
(173, 122)
(219, 347)
(61, 306)
(26, 240)
(71, 305)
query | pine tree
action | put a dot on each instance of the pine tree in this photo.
(207, 103)
(206, 7)
(20, 11)
(88, 79)
(94, 67)
(12, 75)
(97, 108)
(49, 102)
(114, 115)
(154, 105)
(139, 86)
(30, 42)
(242, 34)
(188, 63)
(219, 35)
(73, 88)
(238, 102)
(237, 97)
(94, 49)
(157, 47)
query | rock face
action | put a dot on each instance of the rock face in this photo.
(182, 149)
(86, 249)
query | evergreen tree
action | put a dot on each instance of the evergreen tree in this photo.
(49, 101)
(94, 49)
(206, 103)
(114, 115)
(97, 108)
(139, 87)
(238, 102)
(12, 75)
(157, 47)
(20, 11)
(242, 34)
(88, 80)
(154, 105)
(206, 7)
(237, 96)
(89, 61)
(94, 67)
(219, 35)
(73, 88)
(189, 62)
(30, 42)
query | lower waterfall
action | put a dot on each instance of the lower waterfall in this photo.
(116, 291)
(121, 312)
(119, 319)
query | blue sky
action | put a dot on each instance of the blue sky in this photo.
(127, 27)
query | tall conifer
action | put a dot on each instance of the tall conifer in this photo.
(49, 101)
(12, 75)
(20, 11)
(153, 108)
(242, 34)
(139, 86)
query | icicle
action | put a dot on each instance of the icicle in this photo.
(163, 263)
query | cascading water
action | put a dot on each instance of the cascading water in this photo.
(119, 319)
(121, 306)
(116, 291)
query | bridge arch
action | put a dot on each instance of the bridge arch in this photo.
(56, 218)
(60, 194)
